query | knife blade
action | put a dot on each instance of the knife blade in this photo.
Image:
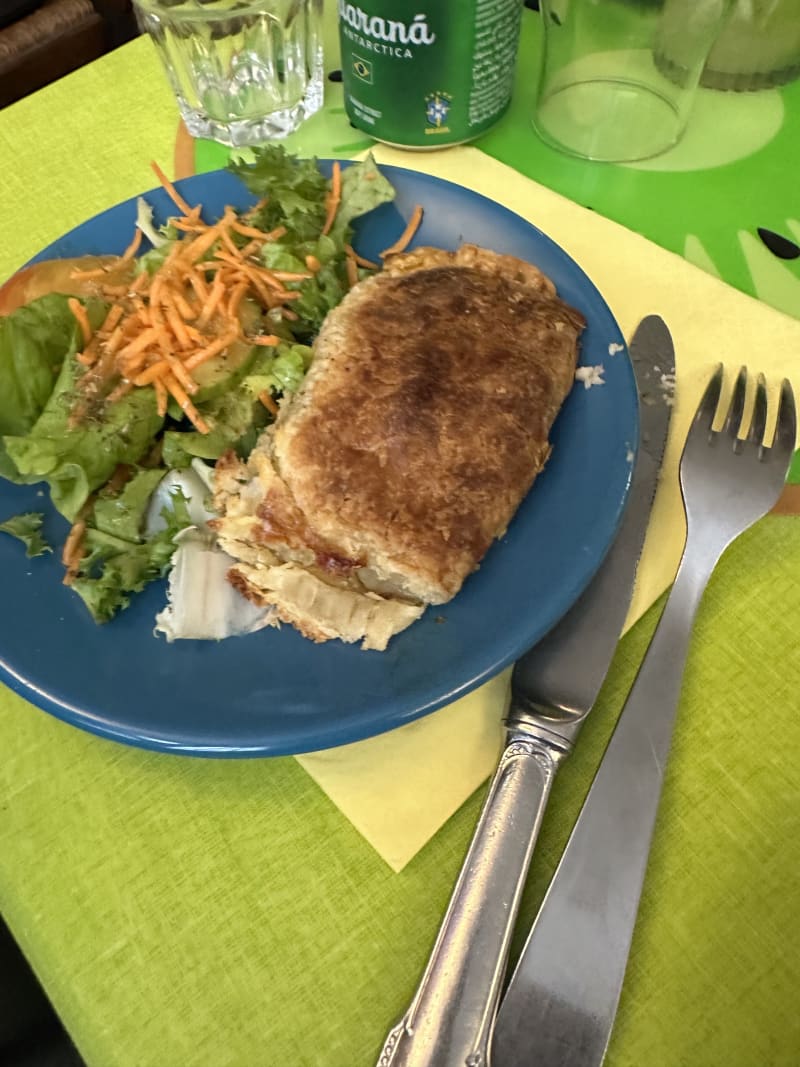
(450, 1019)
(563, 673)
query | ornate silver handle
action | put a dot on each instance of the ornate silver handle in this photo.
(560, 1005)
(450, 1019)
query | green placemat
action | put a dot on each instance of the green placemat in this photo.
(189, 913)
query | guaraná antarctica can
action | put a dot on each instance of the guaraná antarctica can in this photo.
(432, 77)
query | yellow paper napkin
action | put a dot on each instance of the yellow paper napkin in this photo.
(398, 788)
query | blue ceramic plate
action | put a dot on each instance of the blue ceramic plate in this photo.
(273, 692)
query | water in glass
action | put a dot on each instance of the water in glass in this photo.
(243, 71)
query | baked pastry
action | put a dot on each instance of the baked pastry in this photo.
(420, 426)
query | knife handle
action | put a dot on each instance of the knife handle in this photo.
(450, 1019)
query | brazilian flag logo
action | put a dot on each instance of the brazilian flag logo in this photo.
(362, 68)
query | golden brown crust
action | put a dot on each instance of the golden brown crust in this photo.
(475, 258)
(425, 417)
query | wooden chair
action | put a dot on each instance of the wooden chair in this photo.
(42, 41)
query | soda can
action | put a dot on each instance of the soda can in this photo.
(428, 78)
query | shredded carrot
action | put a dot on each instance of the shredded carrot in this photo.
(291, 276)
(172, 192)
(360, 259)
(266, 399)
(115, 313)
(251, 248)
(119, 391)
(267, 295)
(114, 341)
(230, 244)
(405, 237)
(95, 272)
(195, 334)
(214, 298)
(334, 197)
(198, 284)
(210, 350)
(79, 311)
(236, 298)
(143, 315)
(189, 227)
(161, 397)
(185, 404)
(352, 271)
(251, 269)
(72, 553)
(140, 344)
(161, 326)
(123, 472)
(182, 374)
(155, 370)
(133, 247)
(249, 231)
(197, 248)
(178, 327)
(182, 304)
(254, 210)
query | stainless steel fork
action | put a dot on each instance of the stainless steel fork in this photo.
(560, 1004)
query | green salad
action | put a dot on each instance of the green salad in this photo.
(161, 359)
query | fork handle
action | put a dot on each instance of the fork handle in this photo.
(560, 1005)
(449, 1021)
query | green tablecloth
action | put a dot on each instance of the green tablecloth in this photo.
(189, 913)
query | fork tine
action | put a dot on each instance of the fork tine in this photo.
(733, 420)
(759, 424)
(707, 408)
(786, 428)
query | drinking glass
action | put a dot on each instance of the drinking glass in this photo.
(758, 48)
(243, 71)
(618, 77)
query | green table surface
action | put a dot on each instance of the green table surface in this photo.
(192, 913)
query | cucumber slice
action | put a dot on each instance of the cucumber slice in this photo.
(227, 369)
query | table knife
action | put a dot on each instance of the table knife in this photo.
(449, 1022)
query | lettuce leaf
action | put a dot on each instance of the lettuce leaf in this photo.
(295, 187)
(297, 193)
(363, 189)
(282, 371)
(34, 341)
(76, 461)
(123, 514)
(26, 528)
(232, 416)
(320, 293)
(114, 567)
